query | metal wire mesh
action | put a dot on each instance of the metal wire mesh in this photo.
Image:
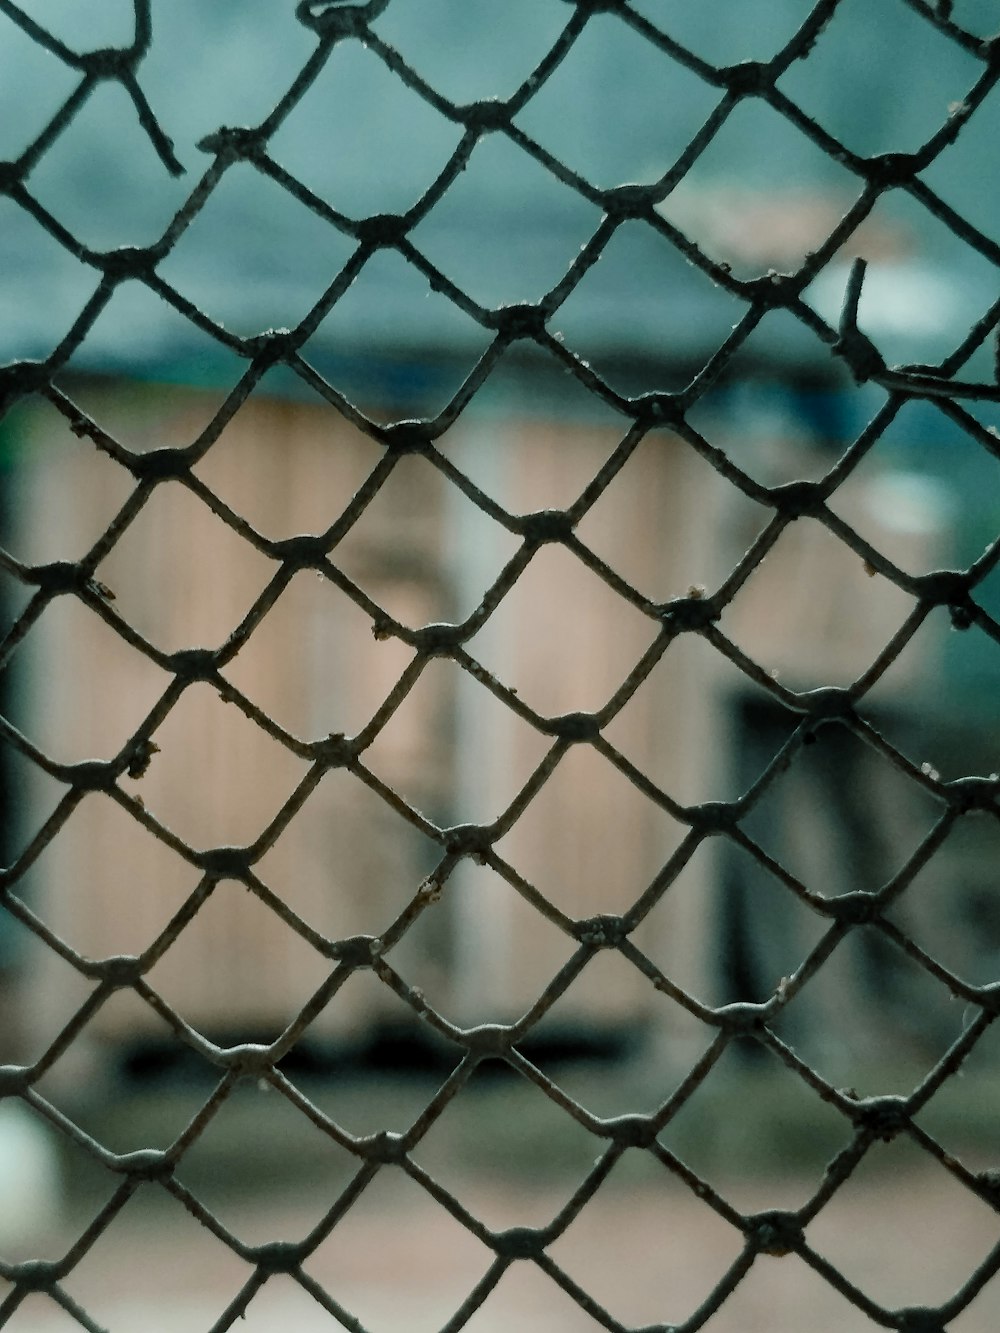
(866, 1120)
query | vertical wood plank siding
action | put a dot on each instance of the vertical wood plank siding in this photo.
(347, 863)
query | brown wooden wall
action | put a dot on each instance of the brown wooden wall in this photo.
(347, 863)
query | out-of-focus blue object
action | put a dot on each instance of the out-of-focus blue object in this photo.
(617, 110)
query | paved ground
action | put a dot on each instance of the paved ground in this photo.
(402, 1265)
(644, 1247)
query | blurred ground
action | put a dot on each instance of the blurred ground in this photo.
(648, 1250)
(404, 1269)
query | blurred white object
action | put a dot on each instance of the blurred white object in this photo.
(31, 1192)
(901, 296)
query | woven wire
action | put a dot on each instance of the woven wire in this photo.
(866, 1120)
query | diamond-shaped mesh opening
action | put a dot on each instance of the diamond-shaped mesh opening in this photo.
(38, 795)
(33, 1188)
(347, 863)
(412, 750)
(905, 516)
(781, 604)
(949, 174)
(955, 1112)
(765, 929)
(390, 309)
(279, 1298)
(902, 1020)
(500, 48)
(144, 416)
(42, 1310)
(322, 464)
(24, 246)
(596, 135)
(164, 1112)
(642, 283)
(497, 775)
(520, 265)
(610, 1001)
(386, 118)
(40, 436)
(218, 83)
(758, 227)
(398, 535)
(244, 1151)
(67, 989)
(104, 904)
(970, 653)
(600, 1075)
(934, 75)
(777, 1289)
(904, 1194)
(699, 30)
(803, 221)
(71, 179)
(234, 756)
(654, 494)
(361, 1101)
(370, 1015)
(508, 952)
(274, 970)
(293, 254)
(736, 1155)
(673, 933)
(317, 636)
(655, 726)
(150, 324)
(908, 304)
(603, 864)
(816, 819)
(116, 704)
(897, 692)
(426, 1243)
(953, 901)
(557, 662)
(570, 449)
(964, 658)
(120, 1296)
(773, 435)
(193, 603)
(531, 1142)
(643, 1256)
(51, 82)
(92, 1035)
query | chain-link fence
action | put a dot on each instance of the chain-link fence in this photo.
(669, 417)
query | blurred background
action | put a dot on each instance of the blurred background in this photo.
(157, 369)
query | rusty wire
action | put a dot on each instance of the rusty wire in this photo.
(866, 1120)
